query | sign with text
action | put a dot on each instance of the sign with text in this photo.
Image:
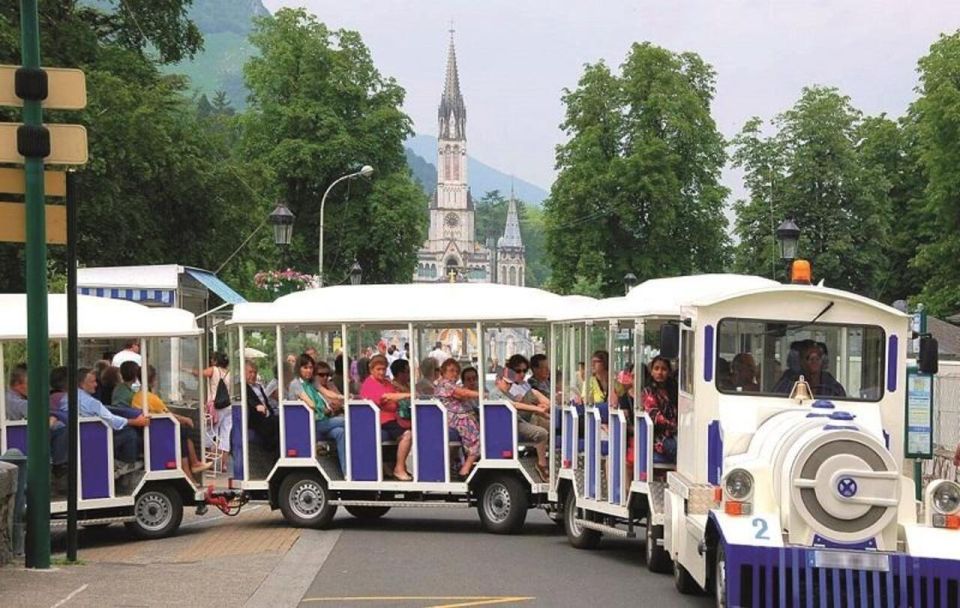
(68, 144)
(919, 423)
(13, 223)
(66, 88)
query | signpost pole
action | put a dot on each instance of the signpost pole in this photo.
(73, 420)
(38, 458)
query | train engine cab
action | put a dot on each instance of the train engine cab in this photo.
(790, 487)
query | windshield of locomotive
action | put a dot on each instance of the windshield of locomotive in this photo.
(767, 358)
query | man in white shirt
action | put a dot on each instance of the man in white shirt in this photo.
(130, 352)
(438, 354)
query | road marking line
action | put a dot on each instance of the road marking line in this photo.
(70, 597)
(486, 602)
(465, 600)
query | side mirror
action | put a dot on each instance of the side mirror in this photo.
(928, 359)
(670, 340)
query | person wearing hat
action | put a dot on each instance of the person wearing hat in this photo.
(526, 431)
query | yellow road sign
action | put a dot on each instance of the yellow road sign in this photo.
(13, 223)
(66, 88)
(12, 182)
(68, 144)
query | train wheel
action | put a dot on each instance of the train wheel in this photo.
(305, 501)
(684, 582)
(658, 560)
(720, 577)
(367, 513)
(503, 505)
(157, 512)
(579, 537)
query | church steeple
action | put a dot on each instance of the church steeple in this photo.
(452, 113)
(511, 232)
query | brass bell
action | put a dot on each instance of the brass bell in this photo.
(801, 390)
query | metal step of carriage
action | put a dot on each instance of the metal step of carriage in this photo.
(605, 529)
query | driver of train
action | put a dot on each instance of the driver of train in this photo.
(811, 358)
(744, 373)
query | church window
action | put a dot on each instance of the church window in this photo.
(513, 276)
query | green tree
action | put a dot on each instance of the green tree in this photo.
(811, 170)
(318, 109)
(490, 219)
(221, 104)
(937, 116)
(638, 186)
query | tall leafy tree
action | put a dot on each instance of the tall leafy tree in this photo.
(937, 115)
(157, 188)
(638, 186)
(810, 170)
(319, 109)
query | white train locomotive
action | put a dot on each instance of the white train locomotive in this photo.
(788, 484)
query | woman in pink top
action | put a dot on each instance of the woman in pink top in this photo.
(380, 390)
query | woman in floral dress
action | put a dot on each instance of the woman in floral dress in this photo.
(459, 412)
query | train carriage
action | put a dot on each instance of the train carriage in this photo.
(789, 486)
(306, 479)
(149, 494)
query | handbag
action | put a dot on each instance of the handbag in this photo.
(222, 398)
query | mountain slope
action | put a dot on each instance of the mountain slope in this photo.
(483, 178)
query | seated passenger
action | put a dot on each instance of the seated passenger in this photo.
(129, 384)
(260, 416)
(470, 379)
(155, 405)
(327, 427)
(323, 382)
(459, 413)
(126, 442)
(526, 431)
(429, 374)
(822, 383)
(109, 379)
(659, 400)
(744, 370)
(377, 388)
(725, 381)
(522, 391)
(400, 370)
(16, 399)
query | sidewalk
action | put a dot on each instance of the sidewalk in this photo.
(214, 560)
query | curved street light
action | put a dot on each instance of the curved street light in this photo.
(365, 171)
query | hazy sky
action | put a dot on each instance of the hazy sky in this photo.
(516, 56)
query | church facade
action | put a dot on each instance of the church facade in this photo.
(452, 252)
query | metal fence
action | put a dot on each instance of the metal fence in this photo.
(946, 420)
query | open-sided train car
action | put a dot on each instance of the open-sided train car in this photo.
(148, 495)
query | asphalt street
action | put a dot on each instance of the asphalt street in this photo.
(441, 558)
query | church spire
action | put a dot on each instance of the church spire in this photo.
(511, 232)
(452, 113)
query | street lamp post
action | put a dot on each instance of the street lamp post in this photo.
(629, 282)
(356, 273)
(365, 171)
(282, 221)
(788, 235)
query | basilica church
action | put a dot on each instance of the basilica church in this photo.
(452, 251)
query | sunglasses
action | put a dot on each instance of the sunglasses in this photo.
(520, 370)
(323, 375)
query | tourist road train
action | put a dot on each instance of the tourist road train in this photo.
(779, 491)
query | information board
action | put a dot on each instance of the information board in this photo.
(919, 423)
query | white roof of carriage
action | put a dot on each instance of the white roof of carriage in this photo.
(96, 318)
(415, 302)
(664, 297)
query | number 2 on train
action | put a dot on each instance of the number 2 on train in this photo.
(761, 525)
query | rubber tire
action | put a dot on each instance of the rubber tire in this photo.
(658, 558)
(174, 503)
(586, 539)
(367, 513)
(684, 582)
(512, 522)
(719, 577)
(324, 514)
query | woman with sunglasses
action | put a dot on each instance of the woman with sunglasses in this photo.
(327, 426)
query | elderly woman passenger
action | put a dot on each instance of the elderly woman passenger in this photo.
(380, 390)
(460, 412)
(429, 374)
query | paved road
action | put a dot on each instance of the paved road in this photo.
(442, 558)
